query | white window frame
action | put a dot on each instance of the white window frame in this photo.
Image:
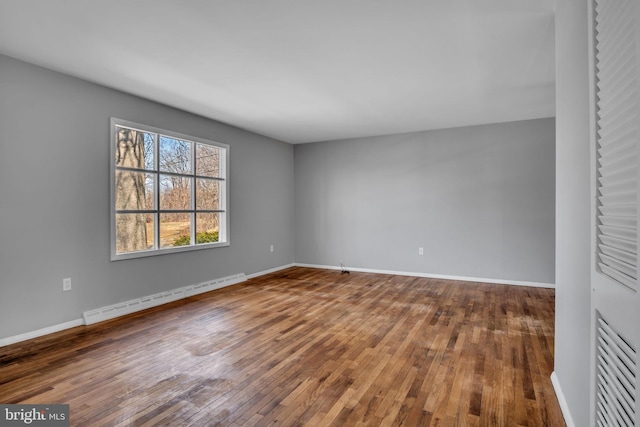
(223, 211)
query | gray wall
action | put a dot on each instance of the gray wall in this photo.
(480, 200)
(54, 200)
(573, 204)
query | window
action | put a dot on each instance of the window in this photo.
(168, 192)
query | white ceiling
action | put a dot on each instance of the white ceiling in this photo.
(304, 70)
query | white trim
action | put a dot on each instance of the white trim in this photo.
(561, 400)
(40, 332)
(139, 304)
(271, 270)
(432, 276)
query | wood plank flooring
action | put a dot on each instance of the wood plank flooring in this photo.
(305, 347)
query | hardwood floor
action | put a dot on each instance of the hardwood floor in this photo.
(305, 347)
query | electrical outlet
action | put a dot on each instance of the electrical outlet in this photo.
(66, 284)
(420, 251)
(271, 248)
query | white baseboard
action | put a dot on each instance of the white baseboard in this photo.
(561, 400)
(271, 270)
(40, 332)
(432, 276)
(138, 304)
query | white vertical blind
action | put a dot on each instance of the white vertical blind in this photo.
(617, 122)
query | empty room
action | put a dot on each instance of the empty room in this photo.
(417, 213)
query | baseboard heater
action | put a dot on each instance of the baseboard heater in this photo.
(138, 304)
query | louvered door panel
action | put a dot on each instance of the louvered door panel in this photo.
(616, 372)
(615, 327)
(616, 78)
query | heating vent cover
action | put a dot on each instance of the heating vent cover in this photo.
(138, 304)
(617, 134)
(615, 378)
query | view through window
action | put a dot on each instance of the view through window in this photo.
(169, 191)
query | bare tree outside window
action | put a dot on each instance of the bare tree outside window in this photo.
(131, 229)
(207, 190)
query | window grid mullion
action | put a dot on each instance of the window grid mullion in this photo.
(156, 192)
(193, 193)
(211, 178)
(150, 211)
